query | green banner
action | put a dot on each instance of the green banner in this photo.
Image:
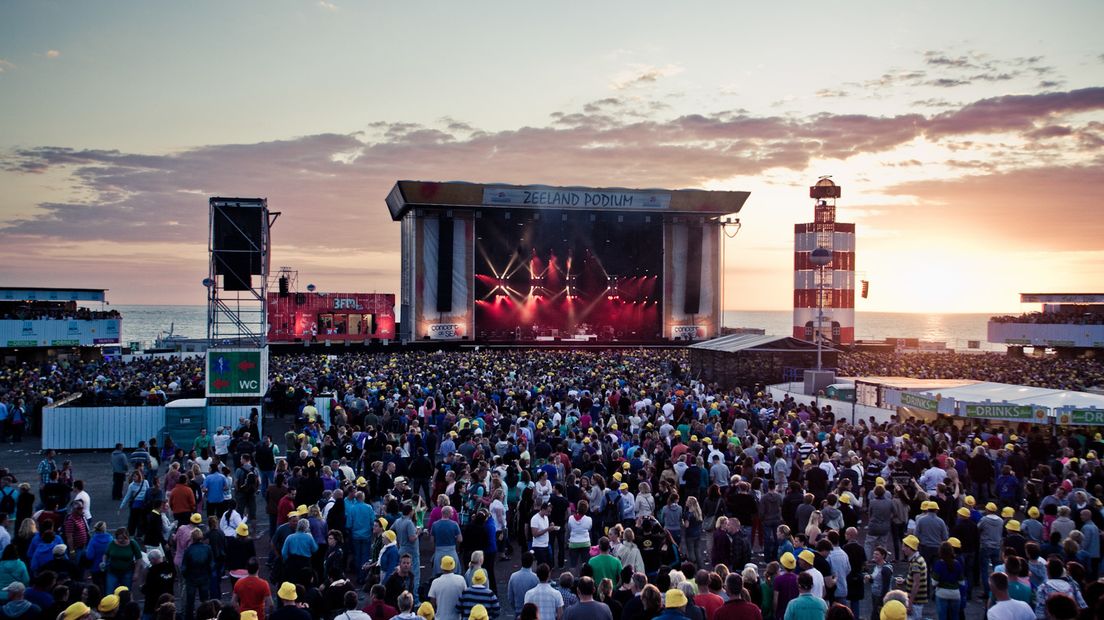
(236, 372)
(65, 343)
(908, 399)
(1000, 412)
(22, 343)
(1093, 417)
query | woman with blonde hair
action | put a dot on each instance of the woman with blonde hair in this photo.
(693, 543)
(645, 503)
(629, 552)
(812, 531)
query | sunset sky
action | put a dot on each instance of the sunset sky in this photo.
(968, 137)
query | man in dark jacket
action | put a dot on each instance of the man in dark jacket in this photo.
(196, 568)
(160, 579)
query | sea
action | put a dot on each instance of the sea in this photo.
(145, 323)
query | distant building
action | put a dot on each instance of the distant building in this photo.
(41, 323)
(1071, 323)
(839, 275)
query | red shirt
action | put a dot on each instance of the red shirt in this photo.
(252, 593)
(286, 505)
(739, 610)
(379, 609)
(709, 602)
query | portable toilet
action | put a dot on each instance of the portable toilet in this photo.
(184, 418)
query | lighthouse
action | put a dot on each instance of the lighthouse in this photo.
(824, 272)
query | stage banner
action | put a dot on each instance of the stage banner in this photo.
(1004, 411)
(574, 198)
(237, 372)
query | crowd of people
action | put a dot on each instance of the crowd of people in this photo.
(1049, 372)
(1050, 318)
(611, 485)
(57, 311)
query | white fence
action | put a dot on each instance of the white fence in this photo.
(841, 408)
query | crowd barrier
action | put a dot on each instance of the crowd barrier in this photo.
(100, 428)
(841, 408)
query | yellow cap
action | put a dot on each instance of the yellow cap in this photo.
(425, 611)
(845, 498)
(301, 509)
(693, 437)
(970, 501)
(626, 465)
(879, 481)
(778, 442)
(964, 512)
(248, 614)
(301, 436)
(1091, 454)
(287, 591)
(1012, 526)
(314, 450)
(1008, 512)
(678, 433)
(196, 518)
(788, 561)
(675, 598)
(390, 535)
(1013, 438)
(119, 590)
(617, 476)
(613, 427)
(905, 436)
(991, 507)
(293, 513)
(893, 610)
(242, 529)
(478, 612)
(382, 522)
(361, 482)
(447, 563)
(912, 542)
(708, 441)
(807, 557)
(108, 603)
(479, 577)
(624, 486)
(1007, 446)
(76, 610)
(956, 543)
(1033, 512)
(977, 441)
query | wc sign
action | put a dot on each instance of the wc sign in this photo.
(237, 372)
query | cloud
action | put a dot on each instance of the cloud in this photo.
(53, 54)
(331, 187)
(637, 75)
(1019, 205)
(829, 93)
(329, 6)
(5, 66)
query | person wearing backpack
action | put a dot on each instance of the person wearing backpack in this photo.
(9, 496)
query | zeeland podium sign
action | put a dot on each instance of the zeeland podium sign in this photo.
(237, 372)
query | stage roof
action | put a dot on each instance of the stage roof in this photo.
(463, 195)
(36, 293)
(911, 383)
(1061, 298)
(1022, 395)
(755, 342)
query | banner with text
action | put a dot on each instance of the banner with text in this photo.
(908, 399)
(574, 198)
(1004, 411)
(237, 372)
(1086, 417)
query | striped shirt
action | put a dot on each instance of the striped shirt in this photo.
(917, 566)
(478, 595)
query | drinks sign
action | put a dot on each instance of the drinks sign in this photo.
(1002, 412)
(1091, 417)
(908, 399)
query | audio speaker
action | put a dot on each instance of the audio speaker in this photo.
(237, 240)
(444, 264)
(283, 286)
(692, 303)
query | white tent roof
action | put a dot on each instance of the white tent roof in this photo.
(1020, 395)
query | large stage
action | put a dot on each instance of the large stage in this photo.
(537, 264)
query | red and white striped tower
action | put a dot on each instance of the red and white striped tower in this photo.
(839, 275)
